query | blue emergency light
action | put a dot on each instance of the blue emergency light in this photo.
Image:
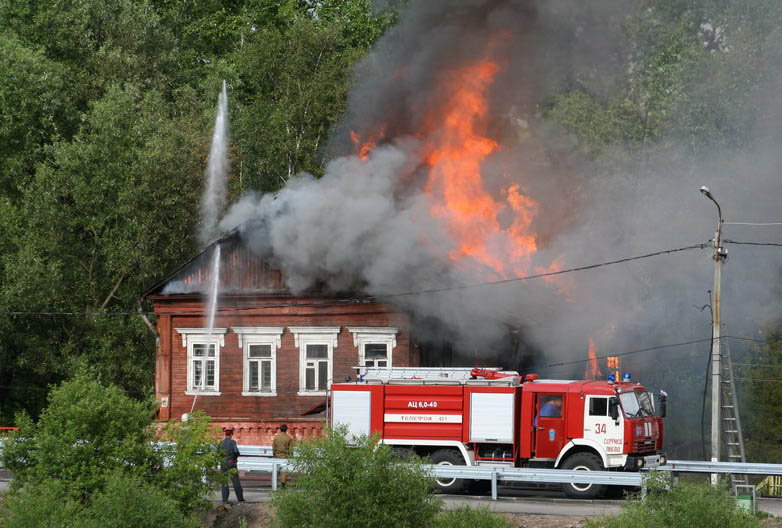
(626, 377)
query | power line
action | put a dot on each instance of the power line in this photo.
(649, 349)
(754, 223)
(760, 379)
(754, 339)
(777, 244)
(334, 302)
(382, 296)
(547, 274)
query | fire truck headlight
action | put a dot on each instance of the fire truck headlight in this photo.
(663, 460)
(639, 463)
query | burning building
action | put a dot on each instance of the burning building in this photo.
(270, 355)
(445, 175)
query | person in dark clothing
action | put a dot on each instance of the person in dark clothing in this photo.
(231, 451)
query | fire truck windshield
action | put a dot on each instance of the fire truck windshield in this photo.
(637, 404)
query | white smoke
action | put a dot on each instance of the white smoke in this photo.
(349, 229)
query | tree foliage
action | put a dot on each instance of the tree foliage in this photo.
(362, 485)
(760, 392)
(91, 455)
(106, 112)
(694, 75)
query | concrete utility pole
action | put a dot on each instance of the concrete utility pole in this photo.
(720, 254)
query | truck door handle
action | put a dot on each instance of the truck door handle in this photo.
(587, 429)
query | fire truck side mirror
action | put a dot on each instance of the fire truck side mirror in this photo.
(663, 405)
(613, 408)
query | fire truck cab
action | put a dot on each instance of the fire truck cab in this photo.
(495, 418)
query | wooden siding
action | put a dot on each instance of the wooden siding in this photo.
(257, 415)
(241, 271)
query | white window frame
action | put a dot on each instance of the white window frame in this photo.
(314, 335)
(202, 336)
(258, 335)
(365, 335)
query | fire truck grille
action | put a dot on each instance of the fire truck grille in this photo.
(644, 446)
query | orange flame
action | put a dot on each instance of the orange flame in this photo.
(363, 148)
(592, 371)
(492, 226)
(456, 150)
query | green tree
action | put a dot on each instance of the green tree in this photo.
(362, 485)
(109, 214)
(291, 85)
(85, 433)
(188, 477)
(35, 110)
(106, 112)
(91, 444)
(695, 73)
(762, 398)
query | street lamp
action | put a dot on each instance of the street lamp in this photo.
(720, 254)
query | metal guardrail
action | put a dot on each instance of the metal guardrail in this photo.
(250, 454)
(258, 458)
(255, 451)
(494, 474)
(699, 466)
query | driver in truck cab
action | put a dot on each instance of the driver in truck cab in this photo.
(552, 408)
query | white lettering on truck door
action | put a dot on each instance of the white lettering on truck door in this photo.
(600, 427)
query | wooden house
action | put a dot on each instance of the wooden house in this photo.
(270, 355)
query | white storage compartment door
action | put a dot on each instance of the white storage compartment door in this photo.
(491, 417)
(351, 408)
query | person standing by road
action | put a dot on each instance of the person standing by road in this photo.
(281, 448)
(231, 451)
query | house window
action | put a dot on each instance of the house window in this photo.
(203, 359)
(375, 345)
(316, 346)
(259, 346)
(376, 355)
(260, 365)
(203, 362)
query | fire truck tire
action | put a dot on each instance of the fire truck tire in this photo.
(448, 457)
(583, 462)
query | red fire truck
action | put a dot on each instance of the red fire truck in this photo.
(489, 417)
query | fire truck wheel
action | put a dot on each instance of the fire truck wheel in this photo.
(448, 457)
(583, 462)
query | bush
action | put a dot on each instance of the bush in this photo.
(87, 431)
(189, 460)
(129, 503)
(361, 486)
(466, 517)
(685, 506)
(90, 442)
(41, 504)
